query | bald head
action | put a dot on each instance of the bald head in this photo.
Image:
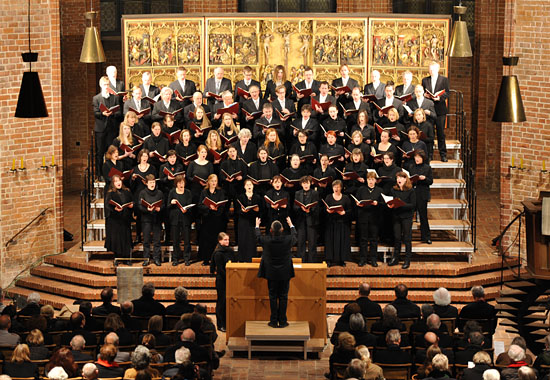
(431, 338)
(111, 338)
(433, 322)
(364, 289)
(188, 335)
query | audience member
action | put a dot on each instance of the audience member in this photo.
(479, 309)
(126, 311)
(342, 324)
(369, 308)
(112, 339)
(39, 322)
(420, 327)
(106, 365)
(150, 342)
(393, 354)
(63, 357)
(77, 323)
(77, 345)
(20, 364)
(57, 373)
(356, 369)
(442, 304)
(146, 305)
(106, 307)
(35, 341)
(7, 338)
(543, 358)
(343, 353)
(187, 371)
(182, 305)
(357, 328)
(141, 360)
(482, 362)
(389, 322)
(90, 372)
(475, 342)
(526, 373)
(470, 327)
(182, 355)
(372, 371)
(198, 353)
(503, 359)
(91, 324)
(426, 368)
(440, 371)
(491, 374)
(155, 327)
(517, 355)
(114, 323)
(33, 305)
(405, 308)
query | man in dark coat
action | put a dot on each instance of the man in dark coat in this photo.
(146, 305)
(106, 307)
(479, 309)
(276, 266)
(405, 308)
(369, 308)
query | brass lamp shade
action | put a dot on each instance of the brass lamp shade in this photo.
(92, 49)
(460, 41)
(31, 103)
(509, 107)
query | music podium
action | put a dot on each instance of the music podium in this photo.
(247, 309)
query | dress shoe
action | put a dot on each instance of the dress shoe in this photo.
(373, 263)
(145, 263)
(157, 263)
(205, 263)
(116, 263)
(444, 159)
(187, 263)
(406, 264)
(272, 324)
(129, 262)
(175, 263)
(344, 264)
(428, 241)
(283, 325)
(221, 353)
(393, 261)
(222, 329)
(361, 263)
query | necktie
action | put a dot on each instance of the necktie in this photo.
(218, 87)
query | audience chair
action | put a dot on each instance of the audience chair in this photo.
(396, 371)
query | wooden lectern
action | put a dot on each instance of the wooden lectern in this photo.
(538, 243)
(248, 300)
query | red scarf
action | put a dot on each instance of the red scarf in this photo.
(517, 364)
(105, 363)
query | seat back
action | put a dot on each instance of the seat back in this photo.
(396, 371)
(339, 371)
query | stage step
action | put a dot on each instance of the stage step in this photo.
(448, 183)
(55, 300)
(450, 164)
(448, 204)
(450, 144)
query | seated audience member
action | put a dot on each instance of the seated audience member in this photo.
(112, 339)
(440, 365)
(155, 327)
(369, 308)
(5, 377)
(182, 355)
(106, 365)
(182, 305)
(426, 368)
(543, 358)
(442, 304)
(91, 324)
(187, 371)
(356, 369)
(113, 323)
(7, 338)
(89, 371)
(35, 341)
(106, 307)
(343, 352)
(405, 308)
(372, 371)
(433, 324)
(52, 324)
(77, 345)
(479, 309)
(388, 322)
(63, 357)
(39, 323)
(527, 373)
(126, 311)
(357, 328)
(470, 327)
(517, 355)
(20, 364)
(482, 362)
(150, 342)
(503, 359)
(342, 324)
(475, 342)
(33, 305)
(420, 327)
(77, 323)
(146, 305)
(11, 312)
(491, 374)
(198, 353)
(141, 360)
(393, 354)
(57, 373)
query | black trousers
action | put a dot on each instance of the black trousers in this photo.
(402, 229)
(440, 130)
(422, 209)
(100, 149)
(306, 233)
(220, 302)
(154, 228)
(369, 235)
(179, 231)
(278, 299)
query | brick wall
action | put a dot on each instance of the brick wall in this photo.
(529, 140)
(213, 6)
(23, 195)
(377, 6)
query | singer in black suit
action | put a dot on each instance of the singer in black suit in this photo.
(245, 84)
(308, 82)
(138, 104)
(387, 100)
(375, 87)
(217, 84)
(147, 89)
(276, 266)
(419, 101)
(407, 87)
(344, 80)
(184, 86)
(167, 104)
(254, 104)
(105, 127)
(435, 83)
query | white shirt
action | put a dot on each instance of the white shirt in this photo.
(138, 104)
(146, 89)
(105, 94)
(357, 104)
(113, 82)
(344, 81)
(182, 84)
(308, 85)
(434, 82)
(375, 84)
(322, 98)
(167, 105)
(269, 120)
(282, 103)
(419, 101)
(389, 101)
(247, 83)
(256, 103)
(304, 123)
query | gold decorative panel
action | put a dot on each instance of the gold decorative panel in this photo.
(391, 45)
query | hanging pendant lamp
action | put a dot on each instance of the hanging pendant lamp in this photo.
(92, 49)
(460, 40)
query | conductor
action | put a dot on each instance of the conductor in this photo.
(276, 267)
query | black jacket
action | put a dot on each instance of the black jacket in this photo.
(406, 308)
(147, 307)
(369, 308)
(276, 261)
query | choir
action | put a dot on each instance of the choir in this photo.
(340, 155)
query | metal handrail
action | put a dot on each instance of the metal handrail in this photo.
(42, 213)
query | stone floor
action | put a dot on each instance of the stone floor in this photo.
(277, 366)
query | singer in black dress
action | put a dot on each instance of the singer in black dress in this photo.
(222, 255)
(422, 190)
(118, 234)
(262, 171)
(213, 218)
(368, 218)
(403, 218)
(180, 220)
(276, 212)
(138, 183)
(247, 220)
(337, 232)
(307, 152)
